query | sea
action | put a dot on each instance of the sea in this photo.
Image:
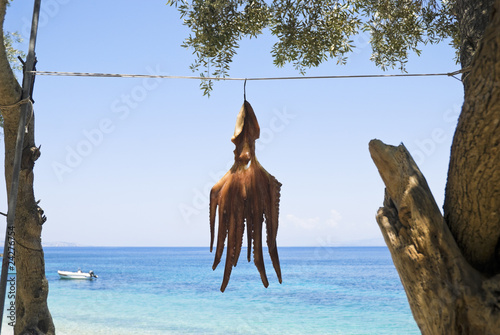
(163, 290)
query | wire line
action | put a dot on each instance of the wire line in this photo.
(118, 75)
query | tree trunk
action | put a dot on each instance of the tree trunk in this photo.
(472, 203)
(450, 266)
(32, 313)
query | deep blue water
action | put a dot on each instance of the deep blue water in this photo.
(175, 291)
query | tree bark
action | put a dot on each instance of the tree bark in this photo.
(472, 203)
(32, 313)
(446, 295)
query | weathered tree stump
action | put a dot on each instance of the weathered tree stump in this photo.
(446, 294)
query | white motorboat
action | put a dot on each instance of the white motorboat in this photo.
(77, 275)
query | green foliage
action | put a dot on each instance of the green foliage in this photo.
(397, 27)
(216, 27)
(310, 32)
(10, 40)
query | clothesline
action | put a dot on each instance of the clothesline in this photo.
(118, 75)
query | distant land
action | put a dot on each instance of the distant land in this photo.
(56, 244)
(60, 244)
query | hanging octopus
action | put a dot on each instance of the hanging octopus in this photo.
(246, 193)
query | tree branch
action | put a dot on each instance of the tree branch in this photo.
(446, 295)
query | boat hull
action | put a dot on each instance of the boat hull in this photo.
(74, 275)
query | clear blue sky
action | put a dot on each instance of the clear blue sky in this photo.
(129, 162)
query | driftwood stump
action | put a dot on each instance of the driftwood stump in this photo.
(446, 294)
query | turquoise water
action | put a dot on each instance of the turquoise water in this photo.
(174, 291)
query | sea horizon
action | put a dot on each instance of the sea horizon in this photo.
(361, 243)
(196, 246)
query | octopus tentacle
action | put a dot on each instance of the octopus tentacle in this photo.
(240, 231)
(223, 225)
(214, 196)
(274, 190)
(272, 214)
(213, 208)
(239, 223)
(250, 224)
(262, 197)
(230, 251)
(258, 258)
(251, 209)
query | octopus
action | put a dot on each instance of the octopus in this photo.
(247, 193)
